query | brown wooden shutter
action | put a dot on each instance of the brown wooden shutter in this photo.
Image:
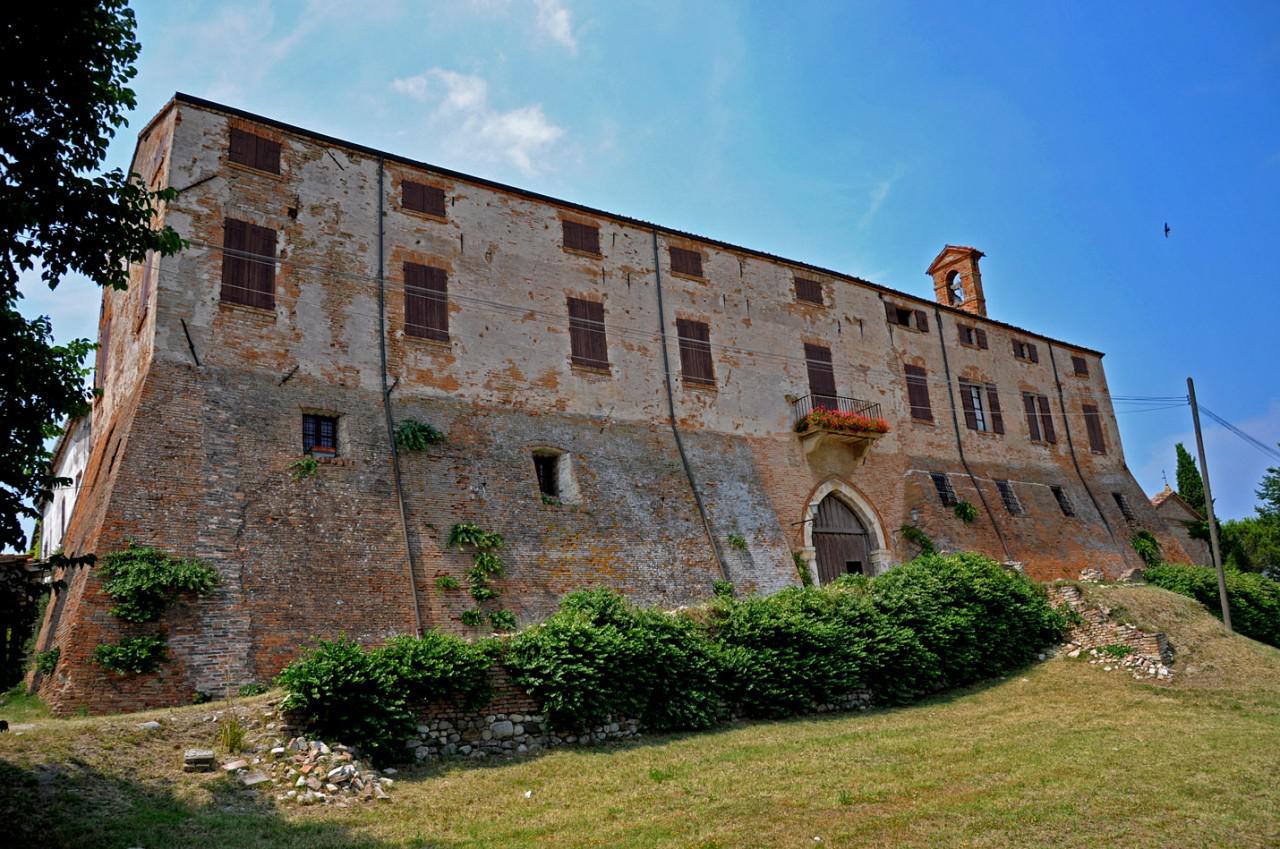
(267, 155)
(1033, 417)
(244, 148)
(1018, 350)
(965, 332)
(1033, 355)
(581, 237)
(686, 261)
(426, 302)
(420, 197)
(696, 365)
(922, 321)
(263, 265)
(966, 401)
(587, 342)
(822, 376)
(918, 393)
(1093, 423)
(1046, 420)
(982, 338)
(993, 401)
(1080, 366)
(890, 313)
(235, 265)
(437, 286)
(808, 290)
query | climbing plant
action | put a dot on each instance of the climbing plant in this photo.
(413, 435)
(133, 655)
(143, 582)
(917, 537)
(485, 565)
(966, 512)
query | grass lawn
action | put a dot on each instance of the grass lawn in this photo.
(1063, 754)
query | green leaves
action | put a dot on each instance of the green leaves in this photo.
(344, 692)
(413, 435)
(143, 582)
(131, 656)
(1254, 598)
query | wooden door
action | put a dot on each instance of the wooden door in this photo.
(840, 541)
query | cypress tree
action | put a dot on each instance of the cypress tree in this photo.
(1190, 486)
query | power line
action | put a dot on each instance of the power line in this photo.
(1256, 443)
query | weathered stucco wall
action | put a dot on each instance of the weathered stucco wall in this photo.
(201, 417)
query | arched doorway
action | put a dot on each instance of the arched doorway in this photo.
(840, 541)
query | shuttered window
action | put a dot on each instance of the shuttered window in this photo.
(906, 317)
(420, 197)
(974, 337)
(581, 237)
(980, 336)
(1093, 424)
(248, 264)
(426, 302)
(587, 342)
(946, 493)
(1080, 366)
(319, 435)
(993, 407)
(1026, 351)
(918, 393)
(822, 376)
(695, 352)
(1010, 498)
(1064, 501)
(975, 415)
(254, 151)
(685, 261)
(1039, 418)
(809, 291)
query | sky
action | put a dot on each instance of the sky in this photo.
(1057, 137)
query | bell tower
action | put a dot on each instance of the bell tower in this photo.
(957, 282)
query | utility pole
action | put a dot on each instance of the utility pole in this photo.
(1208, 509)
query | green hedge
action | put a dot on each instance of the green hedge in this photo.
(1254, 598)
(938, 621)
(342, 691)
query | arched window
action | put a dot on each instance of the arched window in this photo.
(955, 288)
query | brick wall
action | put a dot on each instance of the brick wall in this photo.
(201, 418)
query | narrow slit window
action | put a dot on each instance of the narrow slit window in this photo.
(1010, 498)
(1064, 501)
(319, 435)
(946, 492)
(547, 468)
(1123, 504)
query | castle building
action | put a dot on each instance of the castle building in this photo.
(628, 405)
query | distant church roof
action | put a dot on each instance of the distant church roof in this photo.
(1166, 494)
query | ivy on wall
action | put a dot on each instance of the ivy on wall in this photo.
(485, 565)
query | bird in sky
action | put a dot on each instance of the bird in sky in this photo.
(1166, 229)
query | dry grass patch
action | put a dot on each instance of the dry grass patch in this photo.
(1064, 755)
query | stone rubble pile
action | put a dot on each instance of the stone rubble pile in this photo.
(1143, 666)
(503, 734)
(317, 773)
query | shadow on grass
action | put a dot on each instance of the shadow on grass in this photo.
(70, 806)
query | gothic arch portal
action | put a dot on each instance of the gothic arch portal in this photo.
(843, 533)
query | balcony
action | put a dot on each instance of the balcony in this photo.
(834, 420)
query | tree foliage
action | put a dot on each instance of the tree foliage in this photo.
(61, 103)
(1190, 486)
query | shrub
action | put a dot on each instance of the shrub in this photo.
(47, 661)
(598, 658)
(143, 582)
(738, 541)
(1148, 548)
(802, 569)
(447, 582)
(200, 697)
(342, 691)
(135, 655)
(1117, 651)
(254, 689)
(1254, 598)
(965, 512)
(502, 620)
(413, 435)
(303, 468)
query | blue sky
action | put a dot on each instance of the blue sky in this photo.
(1056, 137)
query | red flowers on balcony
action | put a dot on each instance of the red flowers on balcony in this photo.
(841, 421)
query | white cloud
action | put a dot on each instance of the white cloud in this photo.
(471, 128)
(555, 22)
(879, 194)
